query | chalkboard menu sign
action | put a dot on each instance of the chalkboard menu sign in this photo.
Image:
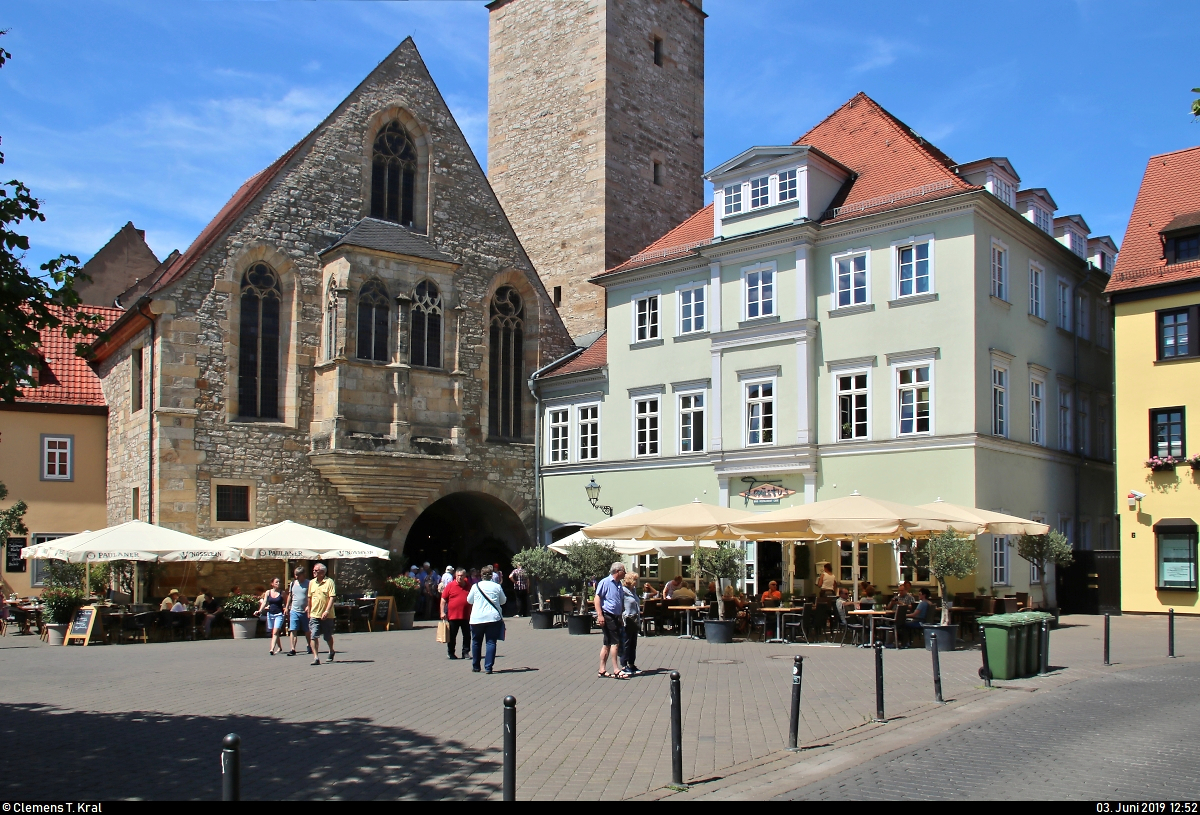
(12, 555)
(385, 613)
(86, 622)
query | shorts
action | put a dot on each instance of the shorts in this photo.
(612, 629)
(322, 628)
(298, 622)
(274, 621)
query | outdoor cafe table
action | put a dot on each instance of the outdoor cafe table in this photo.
(779, 620)
(687, 610)
(872, 614)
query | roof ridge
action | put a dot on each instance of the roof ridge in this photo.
(1174, 152)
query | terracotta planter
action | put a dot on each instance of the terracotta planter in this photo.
(244, 628)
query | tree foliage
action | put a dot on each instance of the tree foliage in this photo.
(949, 554)
(539, 564)
(1196, 105)
(1043, 549)
(31, 303)
(588, 560)
(10, 519)
(724, 562)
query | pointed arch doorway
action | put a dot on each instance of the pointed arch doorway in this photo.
(468, 530)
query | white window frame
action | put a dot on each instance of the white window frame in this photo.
(787, 180)
(558, 434)
(847, 255)
(897, 391)
(653, 425)
(1077, 243)
(764, 194)
(654, 326)
(690, 289)
(1037, 289)
(731, 203)
(69, 450)
(837, 411)
(1001, 400)
(577, 434)
(1037, 411)
(999, 271)
(702, 410)
(1043, 220)
(1064, 304)
(759, 269)
(1001, 561)
(900, 246)
(1066, 421)
(37, 571)
(774, 402)
(861, 570)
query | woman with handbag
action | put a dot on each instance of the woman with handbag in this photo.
(272, 602)
(487, 623)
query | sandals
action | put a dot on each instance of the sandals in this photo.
(623, 674)
(604, 675)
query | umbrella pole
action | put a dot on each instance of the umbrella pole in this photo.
(854, 565)
(87, 580)
(696, 566)
(791, 567)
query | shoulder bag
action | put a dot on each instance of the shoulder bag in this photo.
(492, 603)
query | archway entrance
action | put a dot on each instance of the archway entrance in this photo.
(468, 530)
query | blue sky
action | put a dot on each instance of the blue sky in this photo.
(156, 112)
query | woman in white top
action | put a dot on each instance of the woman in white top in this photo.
(487, 623)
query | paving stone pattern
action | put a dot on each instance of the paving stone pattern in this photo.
(394, 718)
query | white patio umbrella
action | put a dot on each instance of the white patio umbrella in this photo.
(624, 546)
(288, 540)
(996, 523)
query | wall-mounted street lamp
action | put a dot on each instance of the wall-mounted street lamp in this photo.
(593, 494)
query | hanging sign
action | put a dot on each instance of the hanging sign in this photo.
(767, 493)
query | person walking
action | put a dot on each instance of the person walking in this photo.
(272, 603)
(487, 622)
(610, 610)
(457, 612)
(520, 585)
(630, 623)
(297, 606)
(321, 595)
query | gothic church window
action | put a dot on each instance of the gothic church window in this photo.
(506, 376)
(258, 342)
(373, 322)
(426, 326)
(393, 175)
(331, 322)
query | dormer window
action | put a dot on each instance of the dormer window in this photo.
(1042, 220)
(1078, 243)
(1004, 191)
(733, 199)
(760, 192)
(1184, 248)
(787, 186)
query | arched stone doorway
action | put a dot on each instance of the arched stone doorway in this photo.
(466, 529)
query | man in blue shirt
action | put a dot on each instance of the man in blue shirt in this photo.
(610, 606)
(917, 616)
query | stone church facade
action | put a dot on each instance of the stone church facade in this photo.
(346, 345)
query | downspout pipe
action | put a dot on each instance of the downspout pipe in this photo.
(150, 420)
(537, 440)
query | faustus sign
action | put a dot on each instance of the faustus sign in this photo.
(767, 493)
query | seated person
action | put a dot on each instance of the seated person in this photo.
(917, 615)
(772, 596)
(211, 607)
(903, 596)
(169, 600)
(180, 603)
(673, 585)
(201, 598)
(843, 603)
(649, 592)
(865, 589)
(711, 595)
(731, 596)
(683, 595)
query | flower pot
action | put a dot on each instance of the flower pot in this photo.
(946, 636)
(579, 624)
(406, 619)
(56, 632)
(541, 619)
(719, 631)
(244, 628)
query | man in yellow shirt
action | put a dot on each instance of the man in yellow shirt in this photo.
(321, 594)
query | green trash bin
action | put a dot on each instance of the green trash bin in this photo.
(1036, 619)
(1000, 632)
(1021, 625)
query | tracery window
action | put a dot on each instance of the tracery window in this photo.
(331, 322)
(393, 175)
(373, 322)
(258, 343)
(426, 326)
(506, 376)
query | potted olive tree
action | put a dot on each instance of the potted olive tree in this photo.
(239, 610)
(586, 561)
(722, 563)
(1042, 550)
(61, 604)
(539, 564)
(407, 591)
(949, 554)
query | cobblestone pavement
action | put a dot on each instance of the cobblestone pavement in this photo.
(394, 718)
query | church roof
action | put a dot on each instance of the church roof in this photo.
(385, 236)
(66, 378)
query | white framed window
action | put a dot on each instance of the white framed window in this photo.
(787, 186)
(853, 405)
(691, 422)
(645, 326)
(1037, 290)
(999, 401)
(914, 267)
(760, 413)
(1082, 311)
(1042, 220)
(647, 566)
(760, 192)
(588, 423)
(1037, 411)
(645, 418)
(1004, 191)
(848, 571)
(999, 560)
(999, 270)
(760, 290)
(733, 199)
(851, 278)
(559, 447)
(692, 309)
(1064, 418)
(1064, 305)
(914, 400)
(39, 570)
(1078, 243)
(58, 458)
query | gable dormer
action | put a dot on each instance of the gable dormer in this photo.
(1072, 232)
(1038, 208)
(996, 174)
(772, 186)
(1102, 253)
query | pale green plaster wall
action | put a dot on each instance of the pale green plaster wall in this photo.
(732, 295)
(775, 216)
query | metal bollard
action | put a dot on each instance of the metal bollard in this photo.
(1107, 661)
(879, 717)
(510, 748)
(231, 768)
(797, 680)
(676, 731)
(1044, 668)
(937, 673)
(986, 670)
(1170, 633)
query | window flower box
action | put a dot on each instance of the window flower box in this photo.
(1159, 464)
(1194, 461)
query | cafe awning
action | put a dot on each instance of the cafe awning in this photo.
(288, 540)
(132, 540)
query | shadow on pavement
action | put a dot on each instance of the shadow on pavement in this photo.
(157, 756)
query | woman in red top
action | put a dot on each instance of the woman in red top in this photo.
(457, 611)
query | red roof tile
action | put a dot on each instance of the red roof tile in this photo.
(594, 357)
(696, 231)
(65, 377)
(1170, 188)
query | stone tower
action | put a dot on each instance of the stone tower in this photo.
(595, 133)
